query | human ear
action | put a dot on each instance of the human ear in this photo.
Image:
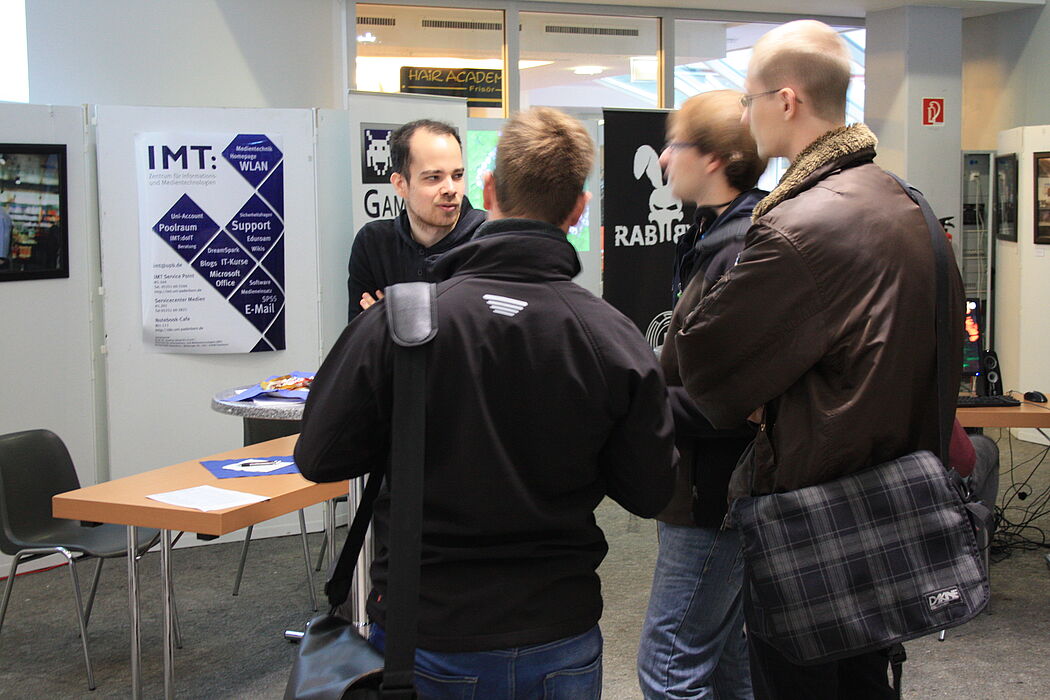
(488, 191)
(400, 184)
(577, 211)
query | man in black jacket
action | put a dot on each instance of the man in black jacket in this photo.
(692, 642)
(543, 399)
(427, 160)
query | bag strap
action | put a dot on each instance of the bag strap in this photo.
(341, 574)
(412, 318)
(945, 392)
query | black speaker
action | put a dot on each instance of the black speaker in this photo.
(992, 384)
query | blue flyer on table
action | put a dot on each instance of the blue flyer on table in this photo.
(250, 466)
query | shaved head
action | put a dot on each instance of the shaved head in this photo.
(810, 57)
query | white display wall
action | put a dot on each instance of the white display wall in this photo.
(1022, 279)
(49, 328)
(159, 403)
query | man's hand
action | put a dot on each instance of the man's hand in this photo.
(367, 299)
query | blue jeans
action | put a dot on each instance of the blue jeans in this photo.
(565, 669)
(693, 639)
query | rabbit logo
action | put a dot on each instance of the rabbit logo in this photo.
(664, 208)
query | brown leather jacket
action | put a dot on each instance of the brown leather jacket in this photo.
(827, 320)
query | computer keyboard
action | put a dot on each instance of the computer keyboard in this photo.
(987, 401)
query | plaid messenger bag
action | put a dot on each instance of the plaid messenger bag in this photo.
(873, 558)
(862, 562)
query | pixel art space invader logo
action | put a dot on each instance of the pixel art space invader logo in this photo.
(375, 153)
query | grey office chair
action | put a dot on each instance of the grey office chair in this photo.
(34, 466)
(982, 486)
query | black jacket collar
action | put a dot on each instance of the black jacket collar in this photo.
(513, 249)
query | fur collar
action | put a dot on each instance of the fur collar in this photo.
(843, 141)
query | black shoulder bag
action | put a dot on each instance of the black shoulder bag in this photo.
(871, 559)
(334, 662)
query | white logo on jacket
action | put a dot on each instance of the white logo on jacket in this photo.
(504, 306)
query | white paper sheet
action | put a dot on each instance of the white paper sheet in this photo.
(207, 498)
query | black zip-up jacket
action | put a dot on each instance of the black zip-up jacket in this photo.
(541, 400)
(703, 254)
(385, 253)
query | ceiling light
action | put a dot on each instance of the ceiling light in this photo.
(367, 38)
(588, 70)
(643, 68)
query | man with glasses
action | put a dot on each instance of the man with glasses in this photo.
(692, 643)
(823, 332)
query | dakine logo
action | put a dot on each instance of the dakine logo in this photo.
(942, 599)
(375, 151)
(504, 306)
(665, 210)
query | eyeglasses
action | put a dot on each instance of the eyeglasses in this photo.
(746, 100)
(677, 145)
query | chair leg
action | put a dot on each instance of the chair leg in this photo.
(244, 555)
(80, 614)
(306, 558)
(91, 595)
(7, 588)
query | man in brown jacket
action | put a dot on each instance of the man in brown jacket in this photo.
(823, 330)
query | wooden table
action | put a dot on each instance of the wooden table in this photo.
(124, 502)
(1027, 415)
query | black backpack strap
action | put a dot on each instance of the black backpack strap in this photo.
(412, 318)
(945, 391)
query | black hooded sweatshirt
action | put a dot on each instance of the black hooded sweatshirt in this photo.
(385, 253)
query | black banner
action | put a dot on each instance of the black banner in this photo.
(483, 87)
(641, 220)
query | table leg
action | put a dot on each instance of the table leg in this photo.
(133, 607)
(169, 636)
(359, 592)
(329, 530)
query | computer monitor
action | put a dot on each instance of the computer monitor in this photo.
(973, 345)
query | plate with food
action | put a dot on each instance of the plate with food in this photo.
(295, 385)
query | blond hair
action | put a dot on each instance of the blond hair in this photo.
(711, 122)
(810, 56)
(542, 162)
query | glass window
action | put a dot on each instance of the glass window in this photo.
(14, 77)
(430, 50)
(589, 60)
(714, 56)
